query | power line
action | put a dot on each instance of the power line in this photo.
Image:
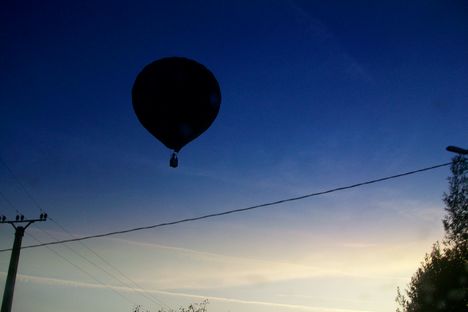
(9, 202)
(86, 273)
(218, 214)
(108, 272)
(18, 181)
(70, 262)
(83, 257)
(138, 289)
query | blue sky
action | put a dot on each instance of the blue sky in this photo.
(315, 95)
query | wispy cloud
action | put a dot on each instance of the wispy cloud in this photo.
(334, 299)
(319, 30)
(70, 283)
(359, 245)
(208, 270)
(353, 260)
(211, 255)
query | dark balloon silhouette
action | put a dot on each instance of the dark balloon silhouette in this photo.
(176, 99)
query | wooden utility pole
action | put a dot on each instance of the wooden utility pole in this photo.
(15, 253)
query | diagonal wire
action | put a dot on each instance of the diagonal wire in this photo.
(218, 214)
(9, 202)
(21, 184)
(67, 260)
(125, 276)
(137, 290)
(85, 272)
(36, 203)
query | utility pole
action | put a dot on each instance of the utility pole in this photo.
(15, 253)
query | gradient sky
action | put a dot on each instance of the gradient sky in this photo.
(316, 94)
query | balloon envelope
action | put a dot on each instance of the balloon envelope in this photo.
(176, 99)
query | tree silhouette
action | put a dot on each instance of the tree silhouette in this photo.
(441, 283)
(456, 204)
(193, 307)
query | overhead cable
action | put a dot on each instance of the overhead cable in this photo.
(92, 276)
(21, 185)
(223, 213)
(139, 289)
(69, 247)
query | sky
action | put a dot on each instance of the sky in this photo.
(315, 95)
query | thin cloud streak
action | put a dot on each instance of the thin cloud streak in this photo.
(70, 283)
(207, 269)
(319, 30)
(297, 271)
(211, 255)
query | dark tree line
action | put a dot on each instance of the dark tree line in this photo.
(441, 283)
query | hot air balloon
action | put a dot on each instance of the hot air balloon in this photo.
(176, 99)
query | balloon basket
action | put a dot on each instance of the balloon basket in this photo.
(174, 162)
